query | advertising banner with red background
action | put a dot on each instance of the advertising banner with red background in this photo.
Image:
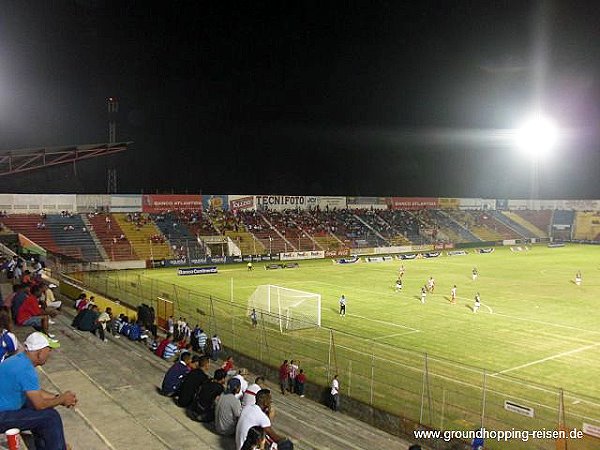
(414, 203)
(171, 202)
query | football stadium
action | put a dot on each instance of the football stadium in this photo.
(299, 225)
(524, 359)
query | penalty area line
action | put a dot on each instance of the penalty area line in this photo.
(395, 335)
(548, 358)
(383, 322)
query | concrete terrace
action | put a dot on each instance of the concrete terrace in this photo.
(119, 407)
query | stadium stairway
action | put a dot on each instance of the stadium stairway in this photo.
(108, 235)
(119, 407)
(26, 224)
(178, 234)
(518, 230)
(139, 237)
(537, 233)
(76, 242)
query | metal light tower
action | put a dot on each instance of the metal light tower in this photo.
(113, 108)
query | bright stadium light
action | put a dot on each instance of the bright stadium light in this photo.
(537, 136)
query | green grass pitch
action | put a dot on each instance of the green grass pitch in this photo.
(536, 328)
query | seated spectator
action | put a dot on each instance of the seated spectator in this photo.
(24, 404)
(175, 375)
(81, 302)
(228, 367)
(8, 300)
(87, 320)
(21, 294)
(202, 409)
(249, 397)
(9, 344)
(163, 344)
(170, 350)
(48, 298)
(193, 381)
(31, 314)
(259, 415)
(228, 409)
(256, 439)
(243, 383)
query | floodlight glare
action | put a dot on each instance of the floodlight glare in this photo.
(537, 136)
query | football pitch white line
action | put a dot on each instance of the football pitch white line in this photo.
(396, 334)
(391, 324)
(542, 322)
(548, 358)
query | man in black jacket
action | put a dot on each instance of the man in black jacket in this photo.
(192, 382)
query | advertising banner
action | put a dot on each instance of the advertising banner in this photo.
(241, 202)
(289, 256)
(197, 270)
(281, 202)
(449, 203)
(157, 203)
(414, 203)
(367, 201)
(216, 202)
(326, 202)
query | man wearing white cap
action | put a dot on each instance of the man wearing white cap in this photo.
(24, 404)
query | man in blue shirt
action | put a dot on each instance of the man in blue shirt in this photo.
(24, 404)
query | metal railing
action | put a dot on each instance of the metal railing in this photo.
(429, 391)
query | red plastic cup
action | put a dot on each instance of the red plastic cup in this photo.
(13, 438)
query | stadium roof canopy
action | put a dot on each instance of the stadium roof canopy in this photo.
(27, 159)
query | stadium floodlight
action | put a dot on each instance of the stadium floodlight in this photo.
(537, 136)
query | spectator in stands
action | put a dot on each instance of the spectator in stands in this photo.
(259, 415)
(170, 350)
(283, 376)
(81, 302)
(163, 344)
(256, 439)
(335, 393)
(228, 367)
(87, 320)
(202, 338)
(8, 300)
(292, 373)
(243, 383)
(9, 344)
(228, 409)
(300, 382)
(249, 397)
(48, 297)
(203, 407)
(193, 381)
(31, 314)
(104, 319)
(215, 347)
(175, 375)
(24, 404)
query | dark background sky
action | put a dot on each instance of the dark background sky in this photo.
(351, 98)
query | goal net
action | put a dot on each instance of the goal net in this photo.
(288, 309)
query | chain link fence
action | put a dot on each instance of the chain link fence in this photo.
(428, 391)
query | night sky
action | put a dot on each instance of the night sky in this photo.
(334, 98)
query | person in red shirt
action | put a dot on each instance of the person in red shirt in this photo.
(161, 347)
(228, 366)
(300, 381)
(31, 314)
(283, 376)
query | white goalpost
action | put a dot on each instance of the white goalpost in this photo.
(288, 309)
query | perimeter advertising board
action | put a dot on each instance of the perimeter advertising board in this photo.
(241, 202)
(171, 202)
(414, 203)
(281, 202)
(218, 202)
